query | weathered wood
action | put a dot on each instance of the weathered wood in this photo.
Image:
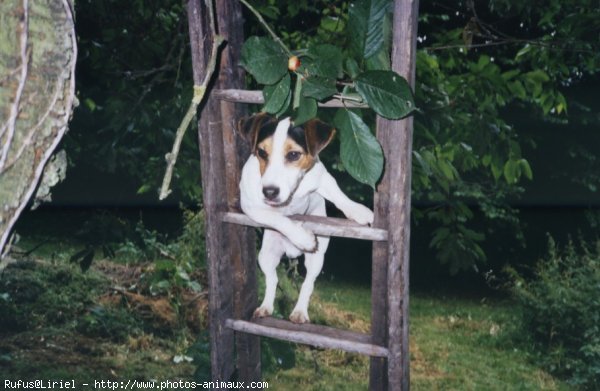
(396, 139)
(314, 328)
(256, 97)
(241, 240)
(379, 291)
(215, 201)
(325, 226)
(314, 335)
(38, 52)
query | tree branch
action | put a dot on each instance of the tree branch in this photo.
(199, 92)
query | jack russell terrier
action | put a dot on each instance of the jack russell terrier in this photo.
(283, 177)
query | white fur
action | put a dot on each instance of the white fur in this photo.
(300, 193)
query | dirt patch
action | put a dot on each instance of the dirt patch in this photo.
(122, 274)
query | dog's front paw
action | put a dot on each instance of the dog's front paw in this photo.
(299, 317)
(262, 312)
(361, 214)
(305, 240)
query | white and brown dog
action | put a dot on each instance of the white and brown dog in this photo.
(283, 177)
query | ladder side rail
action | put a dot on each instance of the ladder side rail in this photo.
(399, 136)
(241, 241)
(214, 201)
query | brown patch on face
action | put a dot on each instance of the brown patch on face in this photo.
(291, 150)
(263, 158)
(250, 127)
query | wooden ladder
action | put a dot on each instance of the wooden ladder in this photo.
(231, 240)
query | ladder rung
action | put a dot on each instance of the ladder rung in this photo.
(324, 226)
(310, 334)
(256, 97)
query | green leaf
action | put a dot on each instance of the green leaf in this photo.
(323, 60)
(525, 168)
(352, 67)
(144, 189)
(517, 89)
(509, 75)
(497, 167)
(276, 95)
(376, 26)
(447, 169)
(90, 104)
(386, 92)
(264, 59)
(360, 151)
(523, 51)
(511, 171)
(306, 110)
(487, 159)
(367, 26)
(380, 61)
(319, 88)
(440, 235)
(422, 163)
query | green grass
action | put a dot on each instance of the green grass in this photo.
(66, 324)
(456, 344)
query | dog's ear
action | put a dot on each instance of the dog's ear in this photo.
(318, 134)
(248, 127)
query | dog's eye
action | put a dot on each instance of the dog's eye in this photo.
(262, 154)
(293, 156)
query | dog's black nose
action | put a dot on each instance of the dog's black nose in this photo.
(270, 192)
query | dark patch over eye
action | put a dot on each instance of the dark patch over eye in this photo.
(296, 133)
(262, 154)
(293, 156)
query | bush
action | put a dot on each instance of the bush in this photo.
(562, 311)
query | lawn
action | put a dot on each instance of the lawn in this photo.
(456, 344)
(108, 323)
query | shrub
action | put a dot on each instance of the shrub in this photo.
(562, 311)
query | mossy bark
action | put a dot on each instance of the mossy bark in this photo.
(37, 91)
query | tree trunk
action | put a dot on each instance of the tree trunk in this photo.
(37, 91)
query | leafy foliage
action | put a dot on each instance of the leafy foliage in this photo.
(134, 83)
(476, 64)
(388, 94)
(470, 74)
(359, 142)
(174, 262)
(322, 76)
(563, 311)
(264, 59)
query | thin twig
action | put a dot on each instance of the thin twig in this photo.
(267, 27)
(199, 92)
(546, 44)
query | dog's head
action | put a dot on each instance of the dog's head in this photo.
(285, 152)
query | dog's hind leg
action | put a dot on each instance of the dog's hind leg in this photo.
(270, 254)
(313, 264)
